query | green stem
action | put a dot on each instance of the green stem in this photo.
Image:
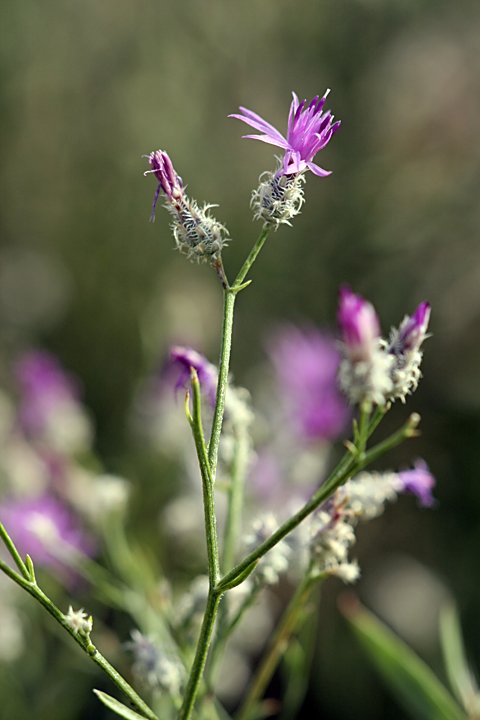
(207, 485)
(344, 470)
(277, 646)
(229, 296)
(252, 257)
(200, 654)
(208, 466)
(82, 639)
(14, 553)
(347, 467)
(235, 500)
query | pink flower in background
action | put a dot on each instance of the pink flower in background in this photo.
(178, 367)
(44, 529)
(420, 482)
(359, 325)
(309, 131)
(306, 364)
(44, 387)
(50, 411)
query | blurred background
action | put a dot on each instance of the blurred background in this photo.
(87, 89)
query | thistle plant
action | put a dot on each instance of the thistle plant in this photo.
(305, 528)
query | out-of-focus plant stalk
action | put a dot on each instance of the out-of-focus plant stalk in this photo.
(235, 500)
(278, 644)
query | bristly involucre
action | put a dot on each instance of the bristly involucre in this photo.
(373, 369)
(197, 234)
(278, 198)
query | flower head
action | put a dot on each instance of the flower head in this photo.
(309, 130)
(365, 372)
(420, 482)
(306, 364)
(155, 667)
(412, 331)
(404, 346)
(359, 325)
(79, 620)
(182, 359)
(168, 180)
(197, 234)
(44, 529)
(49, 406)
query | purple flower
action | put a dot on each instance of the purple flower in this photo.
(306, 363)
(359, 325)
(49, 407)
(308, 132)
(420, 482)
(169, 181)
(44, 529)
(184, 358)
(412, 331)
(44, 386)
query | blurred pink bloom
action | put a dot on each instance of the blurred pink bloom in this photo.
(306, 364)
(359, 325)
(44, 529)
(181, 360)
(44, 386)
(420, 482)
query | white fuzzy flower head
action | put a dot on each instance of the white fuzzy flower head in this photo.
(349, 572)
(368, 379)
(404, 346)
(78, 620)
(366, 494)
(276, 561)
(331, 537)
(154, 667)
(365, 372)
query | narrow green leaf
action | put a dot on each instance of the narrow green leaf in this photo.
(240, 578)
(405, 673)
(117, 707)
(459, 674)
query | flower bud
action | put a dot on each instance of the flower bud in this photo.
(359, 325)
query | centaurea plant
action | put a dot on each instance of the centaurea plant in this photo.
(316, 537)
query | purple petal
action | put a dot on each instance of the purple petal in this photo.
(317, 170)
(420, 482)
(258, 123)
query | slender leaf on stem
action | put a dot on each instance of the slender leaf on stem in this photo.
(415, 685)
(14, 553)
(277, 647)
(459, 674)
(118, 707)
